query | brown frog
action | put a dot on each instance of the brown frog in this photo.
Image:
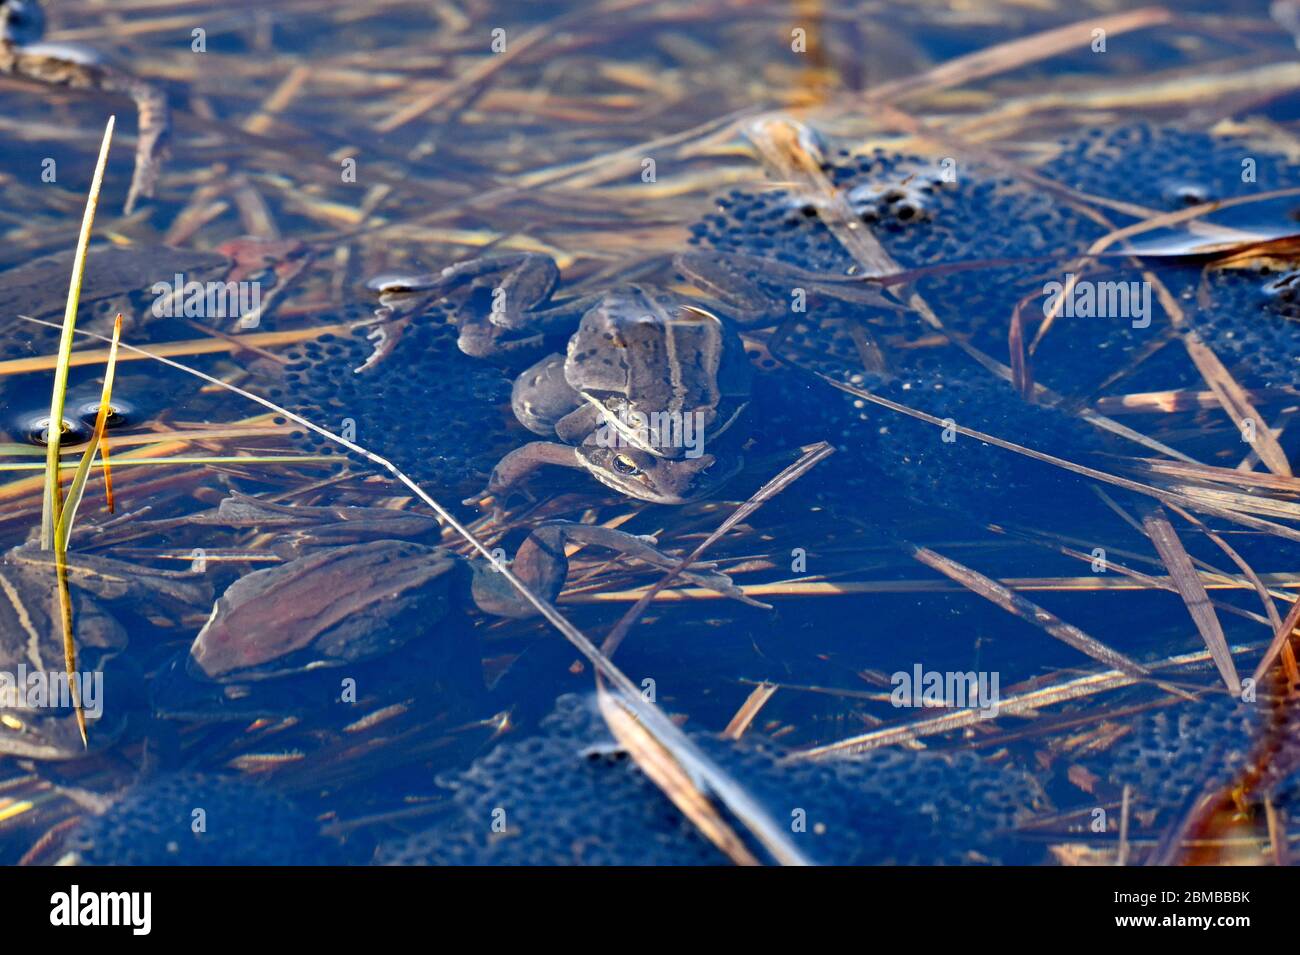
(36, 718)
(648, 378)
(340, 605)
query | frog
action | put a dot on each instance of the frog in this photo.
(31, 642)
(334, 605)
(648, 381)
(342, 604)
(648, 377)
(118, 278)
(519, 287)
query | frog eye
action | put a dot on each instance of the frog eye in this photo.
(625, 465)
(74, 431)
(119, 413)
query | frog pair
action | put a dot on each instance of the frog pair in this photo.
(649, 391)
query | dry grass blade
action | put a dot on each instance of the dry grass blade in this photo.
(749, 710)
(51, 504)
(1188, 581)
(1028, 611)
(1212, 475)
(1236, 402)
(788, 150)
(734, 796)
(1281, 641)
(203, 460)
(1017, 53)
(1091, 583)
(666, 773)
(1247, 570)
(192, 346)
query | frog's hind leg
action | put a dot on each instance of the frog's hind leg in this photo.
(541, 396)
(541, 564)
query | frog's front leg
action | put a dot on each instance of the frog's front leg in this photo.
(111, 579)
(541, 564)
(513, 469)
(757, 292)
(517, 284)
(530, 276)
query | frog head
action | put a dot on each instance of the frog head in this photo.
(659, 480)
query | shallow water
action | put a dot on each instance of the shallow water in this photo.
(615, 137)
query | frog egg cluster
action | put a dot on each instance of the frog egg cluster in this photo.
(1019, 237)
(898, 203)
(955, 472)
(1251, 319)
(884, 451)
(431, 410)
(1164, 167)
(989, 242)
(244, 824)
(567, 799)
(1172, 754)
(920, 218)
(1247, 317)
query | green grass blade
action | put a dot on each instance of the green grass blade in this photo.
(51, 504)
(78, 487)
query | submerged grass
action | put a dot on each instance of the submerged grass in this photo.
(52, 503)
(56, 514)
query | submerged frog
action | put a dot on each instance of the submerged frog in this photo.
(117, 279)
(648, 377)
(44, 725)
(342, 605)
(648, 381)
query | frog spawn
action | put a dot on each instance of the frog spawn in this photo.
(429, 409)
(78, 422)
(1263, 351)
(1174, 754)
(1165, 168)
(984, 217)
(196, 819)
(984, 245)
(942, 468)
(568, 797)
(1246, 316)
